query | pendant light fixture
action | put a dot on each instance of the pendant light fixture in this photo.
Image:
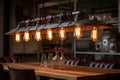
(64, 24)
(77, 28)
(78, 32)
(38, 35)
(26, 36)
(62, 34)
(94, 34)
(17, 37)
(49, 34)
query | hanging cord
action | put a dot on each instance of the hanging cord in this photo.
(69, 11)
(75, 9)
(59, 6)
(38, 10)
(43, 7)
(69, 5)
(34, 14)
(59, 21)
(75, 5)
(59, 11)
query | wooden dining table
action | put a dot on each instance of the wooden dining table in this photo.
(69, 72)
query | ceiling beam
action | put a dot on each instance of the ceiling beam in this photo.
(52, 3)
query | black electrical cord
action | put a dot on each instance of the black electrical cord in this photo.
(59, 6)
(34, 7)
(69, 5)
(43, 7)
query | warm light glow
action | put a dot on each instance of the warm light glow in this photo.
(49, 35)
(17, 37)
(94, 34)
(62, 34)
(78, 32)
(26, 36)
(38, 35)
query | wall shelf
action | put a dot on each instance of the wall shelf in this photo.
(114, 23)
(104, 53)
(76, 52)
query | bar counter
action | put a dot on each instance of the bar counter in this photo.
(69, 72)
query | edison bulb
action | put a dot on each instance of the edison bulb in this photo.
(78, 32)
(62, 34)
(49, 35)
(26, 36)
(94, 34)
(17, 37)
(38, 35)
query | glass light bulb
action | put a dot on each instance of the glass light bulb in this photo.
(77, 32)
(49, 34)
(94, 34)
(17, 37)
(62, 34)
(26, 36)
(38, 35)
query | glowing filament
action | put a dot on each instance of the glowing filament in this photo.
(94, 34)
(78, 32)
(38, 35)
(17, 37)
(62, 34)
(26, 36)
(49, 34)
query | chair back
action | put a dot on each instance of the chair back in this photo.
(72, 62)
(10, 59)
(2, 60)
(1, 72)
(22, 74)
(102, 64)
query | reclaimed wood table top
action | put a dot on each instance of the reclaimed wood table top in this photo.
(69, 72)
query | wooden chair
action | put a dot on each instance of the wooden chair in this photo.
(22, 74)
(2, 60)
(4, 74)
(101, 64)
(1, 72)
(10, 59)
(72, 61)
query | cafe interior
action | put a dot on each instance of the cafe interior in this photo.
(60, 40)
